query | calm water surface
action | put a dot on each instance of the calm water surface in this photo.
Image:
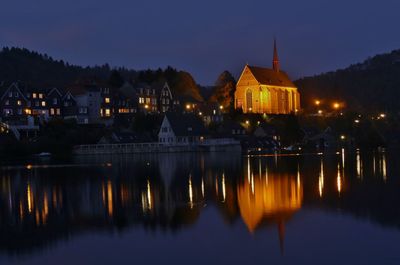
(202, 209)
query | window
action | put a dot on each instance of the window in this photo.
(19, 102)
(58, 112)
(40, 95)
(16, 94)
(147, 100)
(19, 111)
(43, 103)
(51, 111)
(34, 95)
(37, 103)
(154, 101)
(141, 100)
(10, 94)
(249, 100)
(7, 102)
(167, 101)
(107, 100)
(55, 101)
(108, 112)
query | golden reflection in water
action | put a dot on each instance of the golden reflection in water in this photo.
(109, 198)
(223, 188)
(202, 187)
(374, 163)
(321, 179)
(384, 167)
(276, 199)
(358, 165)
(45, 211)
(190, 192)
(147, 199)
(343, 157)
(339, 180)
(29, 197)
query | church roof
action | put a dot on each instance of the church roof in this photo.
(266, 76)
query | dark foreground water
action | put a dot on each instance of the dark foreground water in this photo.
(202, 209)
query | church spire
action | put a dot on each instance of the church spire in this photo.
(275, 61)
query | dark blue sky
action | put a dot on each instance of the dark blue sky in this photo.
(204, 37)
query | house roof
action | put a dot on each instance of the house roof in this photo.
(186, 124)
(266, 76)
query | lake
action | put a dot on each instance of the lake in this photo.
(216, 208)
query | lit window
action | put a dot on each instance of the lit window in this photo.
(107, 100)
(40, 95)
(147, 100)
(19, 103)
(141, 100)
(108, 113)
(51, 111)
(34, 95)
(43, 103)
(58, 112)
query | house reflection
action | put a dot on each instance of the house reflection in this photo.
(41, 205)
(272, 199)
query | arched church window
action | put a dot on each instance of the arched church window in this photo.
(249, 99)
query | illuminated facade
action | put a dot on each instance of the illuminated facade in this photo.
(264, 90)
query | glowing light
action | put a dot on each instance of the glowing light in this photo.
(29, 166)
(319, 111)
(187, 106)
(336, 105)
(343, 137)
(221, 107)
(382, 115)
(357, 121)
(200, 113)
(247, 122)
(146, 106)
(317, 102)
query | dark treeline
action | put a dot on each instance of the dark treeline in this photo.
(369, 86)
(41, 70)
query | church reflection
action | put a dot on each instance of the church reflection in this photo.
(39, 205)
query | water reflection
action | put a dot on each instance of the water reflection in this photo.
(41, 204)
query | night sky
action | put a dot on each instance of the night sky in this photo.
(204, 37)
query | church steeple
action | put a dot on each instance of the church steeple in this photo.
(275, 61)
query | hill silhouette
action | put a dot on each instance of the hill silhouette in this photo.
(373, 85)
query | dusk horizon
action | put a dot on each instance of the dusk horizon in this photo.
(204, 38)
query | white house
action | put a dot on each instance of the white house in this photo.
(181, 129)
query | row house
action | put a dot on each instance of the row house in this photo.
(90, 102)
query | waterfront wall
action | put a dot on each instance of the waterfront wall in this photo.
(211, 145)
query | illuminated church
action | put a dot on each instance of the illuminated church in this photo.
(264, 90)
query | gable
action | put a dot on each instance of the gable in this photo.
(247, 78)
(13, 87)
